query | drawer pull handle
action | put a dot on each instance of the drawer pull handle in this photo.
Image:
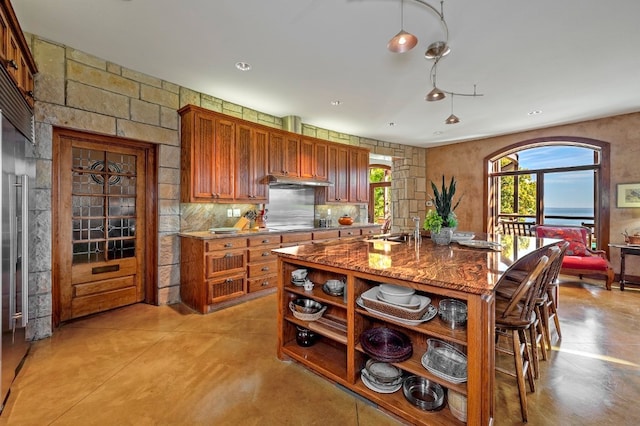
(228, 245)
(266, 253)
(228, 255)
(265, 283)
(266, 268)
(265, 241)
(13, 64)
(228, 280)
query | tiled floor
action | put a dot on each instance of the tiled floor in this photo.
(147, 365)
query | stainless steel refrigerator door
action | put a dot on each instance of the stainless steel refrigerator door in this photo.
(13, 253)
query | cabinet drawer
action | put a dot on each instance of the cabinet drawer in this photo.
(326, 235)
(226, 288)
(261, 269)
(262, 283)
(225, 262)
(353, 232)
(264, 240)
(371, 231)
(224, 243)
(295, 237)
(262, 254)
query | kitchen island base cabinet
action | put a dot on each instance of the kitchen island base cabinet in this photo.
(339, 356)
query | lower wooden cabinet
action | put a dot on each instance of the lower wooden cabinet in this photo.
(217, 270)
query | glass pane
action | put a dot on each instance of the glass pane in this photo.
(85, 159)
(122, 163)
(125, 185)
(569, 198)
(120, 249)
(86, 183)
(88, 229)
(527, 194)
(122, 206)
(122, 227)
(84, 206)
(548, 157)
(88, 252)
(507, 200)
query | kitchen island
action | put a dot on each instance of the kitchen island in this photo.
(455, 271)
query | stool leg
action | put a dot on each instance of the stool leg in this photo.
(518, 350)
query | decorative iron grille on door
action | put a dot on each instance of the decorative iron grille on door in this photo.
(103, 206)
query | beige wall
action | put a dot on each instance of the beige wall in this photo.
(77, 90)
(464, 161)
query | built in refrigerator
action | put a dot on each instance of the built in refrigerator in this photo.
(18, 174)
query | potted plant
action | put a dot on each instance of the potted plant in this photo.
(441, 221)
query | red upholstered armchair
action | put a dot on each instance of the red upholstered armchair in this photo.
(579, 259)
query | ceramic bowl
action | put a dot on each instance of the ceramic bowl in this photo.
(335, 286)
(396, 294)
(299, 274)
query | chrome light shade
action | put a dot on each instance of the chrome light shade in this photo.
(435, 95)
(452, 119)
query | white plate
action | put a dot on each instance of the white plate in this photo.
(223, 230)
(481, 244)
(373, 292)
(462, 236)
(414, 303)
(376, 388)
(432, 311)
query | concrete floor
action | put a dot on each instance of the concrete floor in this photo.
(148, 365)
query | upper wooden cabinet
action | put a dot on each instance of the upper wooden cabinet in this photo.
(227, 159)
(284, 154)
(251, 163)
(358, 175)
(208, 167)
(14, 52)
(313, 159)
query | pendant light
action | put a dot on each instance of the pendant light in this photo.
(403, 41)
(435, 94)
(452, 119)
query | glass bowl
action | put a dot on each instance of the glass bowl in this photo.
(423, 393)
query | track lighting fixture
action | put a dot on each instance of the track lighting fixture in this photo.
(403, 41)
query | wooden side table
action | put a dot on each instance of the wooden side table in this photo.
(625, 250)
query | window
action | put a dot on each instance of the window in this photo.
(551, 182)
(379, 193)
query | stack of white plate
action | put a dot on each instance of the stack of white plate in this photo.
(381, 377)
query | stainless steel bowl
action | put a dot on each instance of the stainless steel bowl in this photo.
(423, 393)
(306, 306)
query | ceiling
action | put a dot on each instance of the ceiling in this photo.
(569, 60)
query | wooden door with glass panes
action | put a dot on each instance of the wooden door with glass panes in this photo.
(101, 216)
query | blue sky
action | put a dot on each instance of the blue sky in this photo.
(573, 189)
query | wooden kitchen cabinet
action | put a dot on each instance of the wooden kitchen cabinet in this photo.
(251, 163)
(358, 175)
(207, 160)
(262, 264)
(14, 53)
(284, 154)
(313, 159)
(337, 166)
(212, 271)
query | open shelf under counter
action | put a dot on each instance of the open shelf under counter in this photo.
(328, 327)
(317, 294)
(322, 357)
(398, 405)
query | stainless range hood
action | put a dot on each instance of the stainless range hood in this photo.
(275, 180)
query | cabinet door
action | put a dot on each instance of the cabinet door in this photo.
(251, 163)
(320, 160)
(338, 163)
(358, 175)
(201, 160)
(4, 36)
(307, 168)
(224, 154)
(284, 154)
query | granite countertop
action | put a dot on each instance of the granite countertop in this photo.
(206, 235)
(456, 267)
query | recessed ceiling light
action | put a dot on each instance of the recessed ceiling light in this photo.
(438, 132)
(336, 103)
(243, 66)
(535, 112)
(391, 124)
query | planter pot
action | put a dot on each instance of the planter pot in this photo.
(443, 237)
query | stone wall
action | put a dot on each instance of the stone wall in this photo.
(77, 90)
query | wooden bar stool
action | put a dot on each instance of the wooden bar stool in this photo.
(514, 318)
